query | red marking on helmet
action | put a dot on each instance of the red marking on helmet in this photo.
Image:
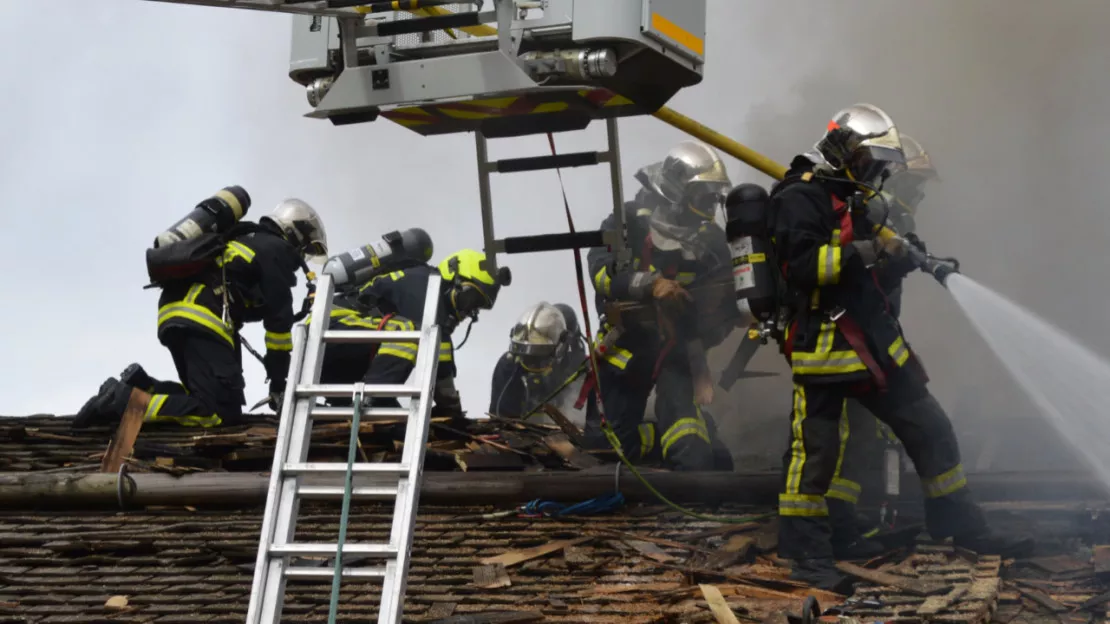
(832, 126)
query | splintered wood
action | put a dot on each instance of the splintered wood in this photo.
(935, 584)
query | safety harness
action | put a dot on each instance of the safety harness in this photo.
(847, 326)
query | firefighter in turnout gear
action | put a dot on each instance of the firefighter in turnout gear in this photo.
(546, 349)
(842, 341)
(199, 322)
(863, 438)
(467, 288)
(657, 308)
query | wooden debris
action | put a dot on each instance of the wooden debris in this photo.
(1042, 599)
(565, 425)
(116, 603)
(440, 610)
(491, 576)
(563, 447)
(500, 617)
(935, 604)
(124, 440)
(515, 557)
(910, 586)
(651, 551)
(1101, 559)
(718, 606)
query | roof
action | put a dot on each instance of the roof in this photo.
(636, 564)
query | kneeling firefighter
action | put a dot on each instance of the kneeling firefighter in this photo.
(546, 355)
(842, 341)
(348, 363)
(657, 312)
(218, 272)
(467, 288)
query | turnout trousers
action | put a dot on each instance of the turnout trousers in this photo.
(814, 460)
(684, 436)
(863, 440)
(211, 388)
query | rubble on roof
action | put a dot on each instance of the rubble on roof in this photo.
(47, 442)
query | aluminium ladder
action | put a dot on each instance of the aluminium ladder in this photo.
(292, 478)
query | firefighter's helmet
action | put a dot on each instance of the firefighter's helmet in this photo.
(571, 317)
(540, 338)
(693, 176)
(907, 187)
(863, 142)
(302, 227)
(473, 287)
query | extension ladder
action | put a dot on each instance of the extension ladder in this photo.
(293, 478)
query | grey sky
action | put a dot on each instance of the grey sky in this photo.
(151, 107)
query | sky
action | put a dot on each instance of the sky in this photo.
(150, 107)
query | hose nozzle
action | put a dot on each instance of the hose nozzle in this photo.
(940, 268)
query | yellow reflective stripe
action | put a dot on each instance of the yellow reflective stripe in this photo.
(643, 212)
(400, 350)
(234, 250)
(445, 351)
(946, 483)
(197, 314)
(684, 427)
(825, 361)
(844, 432)
(355, 320)
(602, 281)
(647, 438)
(339, 313)
(845, 490)
(803, 506)
(154, 409)
(279, 341)
(898, 351)
(797, 444)
(685, 278)
(618, 357)
(828, 265)
(194, 292)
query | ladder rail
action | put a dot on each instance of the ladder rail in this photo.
(281, 450)
(392, 604)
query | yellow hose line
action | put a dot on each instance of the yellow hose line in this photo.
(738, 151)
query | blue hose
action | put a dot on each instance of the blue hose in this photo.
(594, 506)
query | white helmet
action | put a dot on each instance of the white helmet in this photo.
(540, 337)
(303, 228)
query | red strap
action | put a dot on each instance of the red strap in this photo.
(584, 394)
(854, 335)
(645, 254)
(847, 228)
(385, 319)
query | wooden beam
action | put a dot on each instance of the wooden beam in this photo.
(25, 490)
(119, 449)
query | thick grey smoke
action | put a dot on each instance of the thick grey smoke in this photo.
(1010, 100)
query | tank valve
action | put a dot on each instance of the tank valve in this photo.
(317, 89)
(581, 64)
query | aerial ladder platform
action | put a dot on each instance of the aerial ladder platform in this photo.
(499, 69)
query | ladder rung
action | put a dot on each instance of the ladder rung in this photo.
(369, 414)
(428, 24)
(323, 550)
(373, 492)
(340, 468)
(360, 336)
(539, 163)
(553, 242)
(346, 390)
(328, 573)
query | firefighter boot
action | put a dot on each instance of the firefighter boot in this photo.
(990, 543)
(135, 376)
(848, 541)
(822, 574)
(106, 408)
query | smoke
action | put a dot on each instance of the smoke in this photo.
(1009, 100)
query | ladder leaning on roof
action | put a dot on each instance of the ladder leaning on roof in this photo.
(377, 481)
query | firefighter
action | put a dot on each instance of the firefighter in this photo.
(468, 287)
(842, 342)
(863, 438)
(252, 282)
(653, 335)
(545, 356)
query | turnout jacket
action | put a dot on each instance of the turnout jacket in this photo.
(515, 391)
(260, 269)
(402, 294)
(825, 276)
(707, 276)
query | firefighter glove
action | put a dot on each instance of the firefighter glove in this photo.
(868, 251)
(894, 247)
(664, 289)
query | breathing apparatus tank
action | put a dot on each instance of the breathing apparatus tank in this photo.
(397, 250)
(216, 215)
(749, 238)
